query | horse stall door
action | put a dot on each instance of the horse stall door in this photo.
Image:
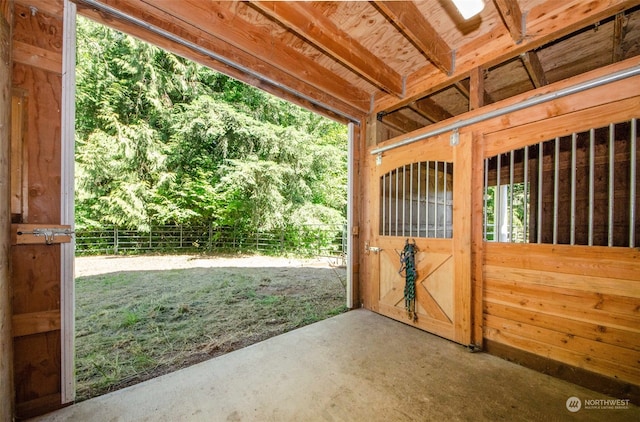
(423, 237)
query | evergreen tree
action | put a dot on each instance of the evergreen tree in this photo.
(164, 140)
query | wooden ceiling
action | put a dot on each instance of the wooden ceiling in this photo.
(408, 62)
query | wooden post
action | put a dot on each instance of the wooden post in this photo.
(356, 141)
(476, 88)
(477, 239)
(368, 271)
(6, 341)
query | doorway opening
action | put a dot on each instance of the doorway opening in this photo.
(165, 145)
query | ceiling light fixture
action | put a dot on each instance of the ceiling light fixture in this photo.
(469, 8)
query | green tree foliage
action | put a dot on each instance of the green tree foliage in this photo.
(164, 140)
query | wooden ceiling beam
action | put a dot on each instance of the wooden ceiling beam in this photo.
(494, 48)
(252, 40)
(430, 110)
(534, 68)
(512, 17)
(310, 24)
(413, 26)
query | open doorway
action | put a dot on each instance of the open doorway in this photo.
(163, 143)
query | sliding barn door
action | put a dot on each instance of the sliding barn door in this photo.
(423, 196)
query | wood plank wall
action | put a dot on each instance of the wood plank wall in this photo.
(6, 343)
(572, 311)
(572, 304)
(37, 69)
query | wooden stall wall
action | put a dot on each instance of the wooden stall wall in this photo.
(6, 359)
(575, 305)
(37, 69)
(569, 310)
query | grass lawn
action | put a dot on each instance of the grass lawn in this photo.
(132, 325)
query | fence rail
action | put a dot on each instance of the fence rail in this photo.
(317, 240)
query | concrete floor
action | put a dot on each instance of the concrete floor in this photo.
(358, 366)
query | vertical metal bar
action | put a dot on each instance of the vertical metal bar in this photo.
(444, 201)
(592, 135)
(411, 201)
(525, 213)
(419, 204)
(435, 208)
(426, 201)
(556, 183)
(612, 163)
(485, 199)
(511, 163)
(384, 203)
(574, 139)
(397, 200)
(540, 174)
(497, 218)
(632, 183)
(404, 197)
(390, 208)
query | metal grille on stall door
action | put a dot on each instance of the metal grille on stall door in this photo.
(579, 189)
(416, 200)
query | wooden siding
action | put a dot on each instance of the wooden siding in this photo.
(37, 47)
(574, 304)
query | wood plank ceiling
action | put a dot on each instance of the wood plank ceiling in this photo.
(408, 62)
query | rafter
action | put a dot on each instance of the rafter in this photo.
(534, 68)
(464, 87)
(512, 17)
(309, 23)
(287, 86)
(493, 48)
(413, 25)
(399, 122)
(430, 110)
(250, 41)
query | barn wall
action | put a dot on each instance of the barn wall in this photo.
(36, 75)
(573, 304)
(6, 360)
(575, 307)
(572, 308)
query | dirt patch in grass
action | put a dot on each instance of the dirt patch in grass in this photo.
(144, 316)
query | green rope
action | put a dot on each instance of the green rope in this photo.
(408, 265)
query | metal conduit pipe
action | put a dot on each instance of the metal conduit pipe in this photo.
(529, 102)
(193, 46)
